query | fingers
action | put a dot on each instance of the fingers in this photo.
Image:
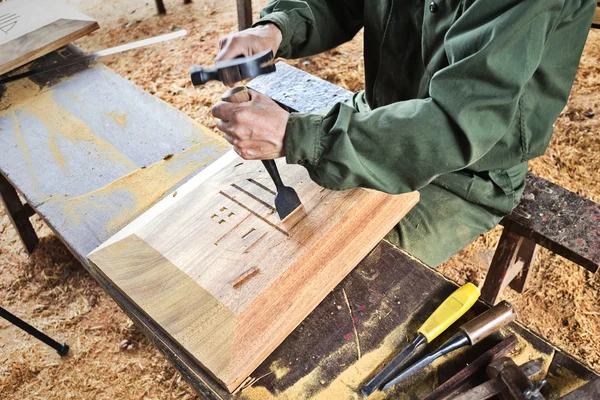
(233, 46)
(225, 111)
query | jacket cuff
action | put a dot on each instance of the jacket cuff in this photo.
(302, 139)
(284, 23)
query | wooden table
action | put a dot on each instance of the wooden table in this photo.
(83, 172)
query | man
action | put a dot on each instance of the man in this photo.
(459, 95)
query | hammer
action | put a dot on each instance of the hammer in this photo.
(238, 69)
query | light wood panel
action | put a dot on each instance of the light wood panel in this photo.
(30, 29)
(596, 21)
(218, 270)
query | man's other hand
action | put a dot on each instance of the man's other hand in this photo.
(249, 42)
(255, 128)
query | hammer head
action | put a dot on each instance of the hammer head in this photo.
(236, 70)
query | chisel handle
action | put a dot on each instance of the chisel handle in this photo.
(454, 307)
(237, 94)
(489, 322)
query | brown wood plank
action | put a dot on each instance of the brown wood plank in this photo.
(217, 230)
(34, 28)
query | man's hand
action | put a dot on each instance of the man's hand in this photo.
(255, 128)
(249, 42)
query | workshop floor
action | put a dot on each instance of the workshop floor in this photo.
(111, 359)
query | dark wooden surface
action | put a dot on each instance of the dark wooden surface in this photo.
(559, 220)
(390, 293)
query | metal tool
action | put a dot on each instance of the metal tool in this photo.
(502, 372)
(470, 333)
(286, 199)
(517, 382)
(92, 56)
(235, 70)
(454, 307)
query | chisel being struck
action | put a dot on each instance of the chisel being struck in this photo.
(236, 70)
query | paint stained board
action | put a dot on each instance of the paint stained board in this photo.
(30, 29)
(214, 266)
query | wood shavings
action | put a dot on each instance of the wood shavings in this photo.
(562, 302)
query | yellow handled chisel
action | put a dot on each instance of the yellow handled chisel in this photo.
(454, 307)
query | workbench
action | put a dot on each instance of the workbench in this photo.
(108, 151)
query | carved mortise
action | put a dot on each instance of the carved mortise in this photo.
(254, 213)
(248, 233)
(260, 185)
(264, 203)
(239, 281)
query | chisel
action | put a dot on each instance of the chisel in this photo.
(454, 307)
(470, 333)
(286, 199)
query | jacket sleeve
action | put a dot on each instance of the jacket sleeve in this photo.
(493, 49)
(312, 26)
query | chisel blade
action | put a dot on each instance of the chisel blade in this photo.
(392, 368)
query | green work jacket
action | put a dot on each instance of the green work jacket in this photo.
(459, 93)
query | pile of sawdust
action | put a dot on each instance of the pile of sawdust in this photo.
(110, 358)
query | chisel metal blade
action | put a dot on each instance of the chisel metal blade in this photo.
(392, 368)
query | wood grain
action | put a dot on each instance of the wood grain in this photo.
(218, 229)
(28, 32)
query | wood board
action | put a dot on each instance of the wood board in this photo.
(214, 266)
(32, 28)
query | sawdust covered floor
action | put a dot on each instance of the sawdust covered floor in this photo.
(111, 359)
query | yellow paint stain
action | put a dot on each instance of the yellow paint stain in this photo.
(120, 119)
(60, 123)
(144, 187)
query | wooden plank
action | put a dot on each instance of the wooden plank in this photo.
(93, 175)
(33, 28)
(596, 22)
(558, 220)
(218, 229)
